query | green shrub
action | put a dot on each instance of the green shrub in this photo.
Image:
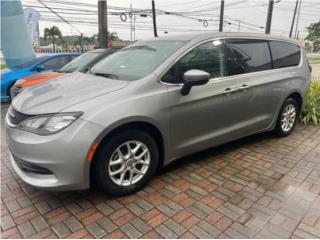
(311, 112)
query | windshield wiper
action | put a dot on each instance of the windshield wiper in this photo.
(106, 75)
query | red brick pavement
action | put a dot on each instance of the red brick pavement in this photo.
(259, 187)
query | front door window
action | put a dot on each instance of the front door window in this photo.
(208, 57)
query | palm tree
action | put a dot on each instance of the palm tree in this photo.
(52, 34)
(94, 39)
(113, 36)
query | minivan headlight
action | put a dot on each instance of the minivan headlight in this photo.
(48, 124)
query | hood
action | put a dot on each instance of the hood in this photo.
(55, 95)
(37, 79)
(11, 73)
(6, 70)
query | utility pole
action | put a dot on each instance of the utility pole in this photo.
(239, 26)
(297, 25)
(103, 24)
(131, 22)
(293, 19)
(154, 19)
(81, 43)
(269, 16)
(221, 16)
(134, 28)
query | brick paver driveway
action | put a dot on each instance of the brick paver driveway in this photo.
(257, 187)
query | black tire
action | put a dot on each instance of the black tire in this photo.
(279, 131)
(101, 172)
(9, 91)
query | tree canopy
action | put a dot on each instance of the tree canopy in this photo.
(314, 35)
(52, 34)
(76, 40)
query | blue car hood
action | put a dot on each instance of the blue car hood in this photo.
(5, 71)
(14, 74)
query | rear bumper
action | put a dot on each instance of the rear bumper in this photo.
(55, 162)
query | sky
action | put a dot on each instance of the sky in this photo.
(251, 14)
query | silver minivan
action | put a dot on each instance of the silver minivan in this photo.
(151, 103)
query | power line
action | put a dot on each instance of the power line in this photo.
(200, 15)
(229, 21)
(121, 26)
(60, 16)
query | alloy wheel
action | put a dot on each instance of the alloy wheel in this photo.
(129, 163)
(288, 117)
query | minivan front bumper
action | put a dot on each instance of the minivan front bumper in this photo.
(54, 162)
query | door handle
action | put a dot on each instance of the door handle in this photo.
(244, 87)
(230, 90)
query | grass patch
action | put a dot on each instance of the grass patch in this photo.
(314, 60)
(3, 66)
(311, 112)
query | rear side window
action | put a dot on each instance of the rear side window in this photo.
(285, 54)
(247, 56)
(56, 62)
(72, 57)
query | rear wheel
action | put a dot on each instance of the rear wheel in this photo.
(287, 117)
(126, 162)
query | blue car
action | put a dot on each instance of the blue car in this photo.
(39, 64)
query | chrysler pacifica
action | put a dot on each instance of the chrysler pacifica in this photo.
(151, 103)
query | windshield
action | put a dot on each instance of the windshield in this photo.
(79, 62)
(137, 61)
(30, 63)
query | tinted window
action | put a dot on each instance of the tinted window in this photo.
(246, 56)
(72, 57)
(30, 63)
(208, 57)
(80, 62)
(56, 62)
(285, 54)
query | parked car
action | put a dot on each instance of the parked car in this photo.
(151, 103)
(80, 64)
(38, 64)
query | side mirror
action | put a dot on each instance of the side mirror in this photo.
(39, 68)
(194, 78)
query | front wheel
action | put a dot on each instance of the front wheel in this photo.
(287, 118)
(126, 162)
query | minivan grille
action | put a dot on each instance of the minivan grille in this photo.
(14, 117)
